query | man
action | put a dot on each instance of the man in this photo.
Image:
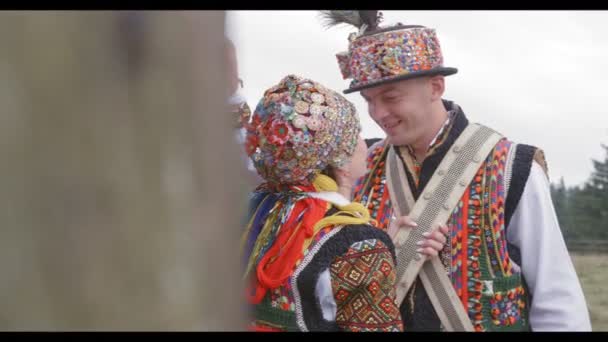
(507, 259)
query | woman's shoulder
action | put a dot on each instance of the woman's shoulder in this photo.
(363, 237)
(366, 230)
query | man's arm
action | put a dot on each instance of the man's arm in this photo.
(558, 303)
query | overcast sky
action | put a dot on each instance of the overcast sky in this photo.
(538, 77)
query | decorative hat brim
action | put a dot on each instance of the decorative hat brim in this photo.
(445, 71)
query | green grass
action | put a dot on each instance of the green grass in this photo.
(592, 270)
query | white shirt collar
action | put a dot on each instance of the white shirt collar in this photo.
(330, 196)
(444, 127)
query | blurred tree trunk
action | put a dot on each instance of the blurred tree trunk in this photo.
(119, 195)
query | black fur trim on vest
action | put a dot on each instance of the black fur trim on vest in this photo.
(522, 164)
(424, 317)
(337, 245)
(430, 163)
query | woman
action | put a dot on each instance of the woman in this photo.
(313, 261)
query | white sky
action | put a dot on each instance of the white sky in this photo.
(538, 77)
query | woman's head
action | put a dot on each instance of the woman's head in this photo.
(300, 128)
(355, 168)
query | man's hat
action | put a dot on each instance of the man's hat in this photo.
(378, 56)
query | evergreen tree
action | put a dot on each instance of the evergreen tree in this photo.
(559, 194)
(598, 190)
(599, 178)
(583, 211)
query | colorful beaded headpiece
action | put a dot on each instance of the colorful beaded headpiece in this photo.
(377, 56)
(298, 129)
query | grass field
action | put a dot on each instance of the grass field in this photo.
(592, 270)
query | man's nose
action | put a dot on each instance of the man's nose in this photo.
(378, 112)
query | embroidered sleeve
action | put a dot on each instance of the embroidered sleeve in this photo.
(363, 283)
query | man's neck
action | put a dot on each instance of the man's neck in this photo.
(421, 147)
(346, 190)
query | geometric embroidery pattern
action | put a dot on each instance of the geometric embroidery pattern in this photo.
(370, 189)
(507, 307)
(362, 281)
(478, 239)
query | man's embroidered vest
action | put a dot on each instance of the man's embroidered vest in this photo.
(476, 259)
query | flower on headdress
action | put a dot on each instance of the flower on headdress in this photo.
(288, 154)
(266, 128)
(277, 152)
(331, 114)
(297, 174)
(271, 99)
(317, 98)
(286, 110)
(251, 144)
(305, 95)
(268, 159)
(260, 109)
(306, 138)
(313, 123)
(291, 163)
(297, 138)
(301, 107)
(253, 125)
(329, 99)
(322, 138)
(279, 133)
(317, 110)
(307, 161)
(306, 85)
(299, 121)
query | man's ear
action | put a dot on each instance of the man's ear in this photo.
(437, 87)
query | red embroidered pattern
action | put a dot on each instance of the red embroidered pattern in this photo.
(371, 189)
(507, 307)
(478, 223)
(497, 247)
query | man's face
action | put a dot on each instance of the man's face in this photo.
(402, 109)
